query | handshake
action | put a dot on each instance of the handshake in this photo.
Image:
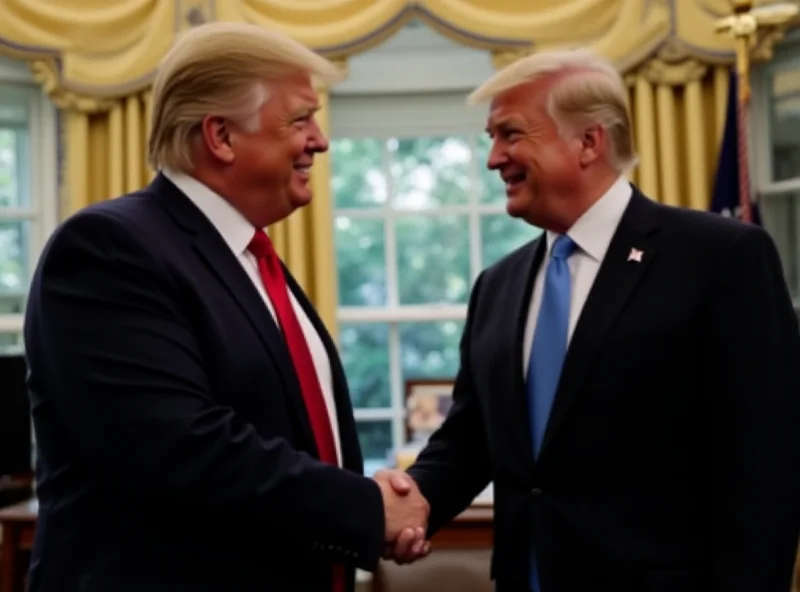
(407, 512)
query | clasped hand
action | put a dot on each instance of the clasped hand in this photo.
(407, 513)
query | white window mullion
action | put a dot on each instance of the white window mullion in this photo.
(435, 212)
(475, 243)
(396, 385)
(11, 323)
(18, 214)
(373, 413)
(403, 314)
(392, 285)
(780, 187)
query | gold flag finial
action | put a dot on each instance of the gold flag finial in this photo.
(745, 25)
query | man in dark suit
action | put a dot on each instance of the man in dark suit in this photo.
(630, 380)
(193, 423)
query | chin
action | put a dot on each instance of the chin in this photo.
(299, 200)
(517, 206)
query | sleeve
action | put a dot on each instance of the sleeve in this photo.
(754, 383)
(454, 466)
(110, 347)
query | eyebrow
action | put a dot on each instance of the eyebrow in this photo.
(306, 111)
(501, 122)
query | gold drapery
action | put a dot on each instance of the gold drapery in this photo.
(679, 114)
(97, 61)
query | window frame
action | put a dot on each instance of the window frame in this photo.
(760, 130)
(413, 85)
(393, 314)
(42, 175)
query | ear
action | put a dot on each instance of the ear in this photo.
(215, 132)
(593, 142)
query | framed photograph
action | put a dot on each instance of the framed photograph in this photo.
(427, 404)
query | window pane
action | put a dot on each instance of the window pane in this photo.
(15, 105)
(12, 302)
(365, 356)
(14, 240)
(501, 234)
(10, 343)
(429, 172)
(375, 438)
(13, 168)
(358, 178)
(784, 105)
(430, 350)
(491, 189)
(433, 259)
(781, 218)
(360, 261)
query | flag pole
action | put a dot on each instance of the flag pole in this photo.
(742, 120)
(744, 25)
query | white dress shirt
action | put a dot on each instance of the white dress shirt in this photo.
(592, 234)
(237, 233)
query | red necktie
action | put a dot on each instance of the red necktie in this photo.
(269, 266)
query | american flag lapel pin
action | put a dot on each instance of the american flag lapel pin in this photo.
(635, 255)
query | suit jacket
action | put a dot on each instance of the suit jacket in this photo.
(175, 452)
(671, 458)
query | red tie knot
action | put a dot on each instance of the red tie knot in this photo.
(260, 245)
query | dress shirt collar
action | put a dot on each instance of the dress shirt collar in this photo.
(594, 230)
(234, 228)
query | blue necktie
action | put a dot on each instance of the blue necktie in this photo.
(548, 350)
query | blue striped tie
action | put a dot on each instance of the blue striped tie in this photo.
(548, 350)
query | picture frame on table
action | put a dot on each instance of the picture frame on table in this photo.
(427, 403)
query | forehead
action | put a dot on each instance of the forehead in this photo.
(524, 101)
(295, 89)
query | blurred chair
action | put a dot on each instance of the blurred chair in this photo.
(444, 570)
(459, 562)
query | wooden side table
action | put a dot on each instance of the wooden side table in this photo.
(18, 523)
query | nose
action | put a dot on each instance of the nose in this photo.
(317, 141)
(497, 156)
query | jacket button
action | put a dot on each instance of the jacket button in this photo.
(536, 493)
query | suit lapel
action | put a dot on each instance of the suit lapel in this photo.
(348, 435)
(615, 283)
(211, 248)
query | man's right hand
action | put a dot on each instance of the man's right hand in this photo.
(407, 513)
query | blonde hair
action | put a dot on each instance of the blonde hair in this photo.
(222, 69)
(596, 96)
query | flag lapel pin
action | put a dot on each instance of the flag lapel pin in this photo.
(635, 255)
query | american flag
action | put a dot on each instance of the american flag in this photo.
(732, 182)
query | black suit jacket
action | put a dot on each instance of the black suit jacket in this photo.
(671, 457)
(175, 453)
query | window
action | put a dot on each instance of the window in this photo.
(776, 127)
(28, 182)
(417, 215)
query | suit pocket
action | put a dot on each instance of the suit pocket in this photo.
(674, 580)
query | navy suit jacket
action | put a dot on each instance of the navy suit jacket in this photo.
(175, 453)
(671, 459)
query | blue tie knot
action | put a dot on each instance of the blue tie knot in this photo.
(563, 247)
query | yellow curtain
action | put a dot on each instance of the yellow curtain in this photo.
(106, 151)
(678, 119)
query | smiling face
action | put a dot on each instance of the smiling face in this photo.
(541, 169)
(267, 170)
